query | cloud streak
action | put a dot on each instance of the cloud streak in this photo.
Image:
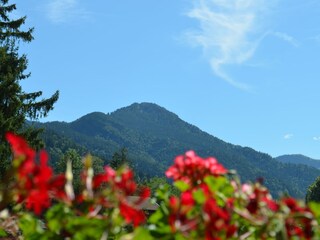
(288, 136)
(285, 37)
(61, 11)
(229, 32)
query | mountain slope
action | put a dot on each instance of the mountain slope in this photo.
(154, 136)
(299, 159)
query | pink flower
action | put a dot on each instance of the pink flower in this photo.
(193, 169)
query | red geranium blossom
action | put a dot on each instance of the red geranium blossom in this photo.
(193, 169)
(131, 214)
(301, 226)
(35, 182)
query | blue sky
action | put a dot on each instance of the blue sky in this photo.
(246, 71)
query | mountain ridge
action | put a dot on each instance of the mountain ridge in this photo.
(154, 136)
(299, 159)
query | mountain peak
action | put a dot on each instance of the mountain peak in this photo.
(150, 113)
(145, 107)
(154, 136)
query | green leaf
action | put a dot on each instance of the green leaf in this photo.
(142, 233)
(57, 216)
(220, 184)
(315, 208)
(181, 185)
(157, 216)
(30, 226)
(199, 196)
(84, 227)
(179, 236)
(216, 183)
(162, 193)
(161, 232)
(3, 233)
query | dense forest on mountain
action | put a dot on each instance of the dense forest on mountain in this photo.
(153, 136)
(299, 159)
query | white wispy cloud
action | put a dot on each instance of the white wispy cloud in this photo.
(285, 37)
(61, 11)
(230, 32)
(288, 136)
(316, 138)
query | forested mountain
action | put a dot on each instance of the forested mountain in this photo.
(154, 136)
(299, 159)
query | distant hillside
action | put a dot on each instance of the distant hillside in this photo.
(299, 159)
(154, 136)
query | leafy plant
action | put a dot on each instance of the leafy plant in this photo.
(211, 204)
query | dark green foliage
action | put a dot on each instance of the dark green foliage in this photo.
(57, 145)
(313, 192)
(77, 166)
(155, 182)
(153, 136)
(15, 104)
(119, 158)
(299, 159)
(97, 165)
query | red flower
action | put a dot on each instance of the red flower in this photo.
(178, 219)
(253, 206)
(259, 197)
(99, 179)
(231, 230)
(145, 193)
(131, 214)
(43, 172)
(272, 205)
(214, 212)
(35, 183)
(19, 146)
(26, 168)
(123, 182)
(292, 204)
(109, 175)
(22, 152)
(217, 221)
(193, 169)
(37, 200)
(174, 203)
(126, 182)
(109, 172)
(301, 226)
(187, 199)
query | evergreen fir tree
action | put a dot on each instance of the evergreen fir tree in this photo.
(120, 158)
(77, 167)
(16, 106)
